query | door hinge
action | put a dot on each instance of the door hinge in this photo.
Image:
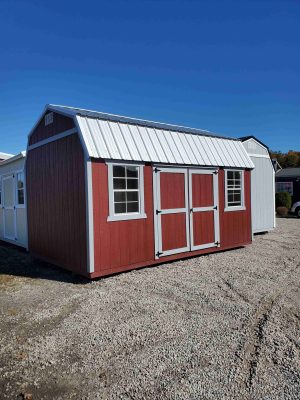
(156, 170)
(217, 243)
(216, 172)
(158, 212)
(158, 254)
(215, 207)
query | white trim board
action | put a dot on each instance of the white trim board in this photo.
(52, 138)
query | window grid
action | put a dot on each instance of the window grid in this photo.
(126, 188)
(234, 188)
(20, 188)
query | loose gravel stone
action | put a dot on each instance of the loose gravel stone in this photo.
(220, 326)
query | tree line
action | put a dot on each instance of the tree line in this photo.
(287, 160)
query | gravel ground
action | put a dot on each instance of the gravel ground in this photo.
(222, 326)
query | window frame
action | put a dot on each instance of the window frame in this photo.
(242, 206)
(17, 205)
(125, 216)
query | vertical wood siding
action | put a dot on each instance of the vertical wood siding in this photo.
(125, 245)
(56, 203)
(120, 243)
(60, 124)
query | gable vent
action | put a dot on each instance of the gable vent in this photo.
(49, 118)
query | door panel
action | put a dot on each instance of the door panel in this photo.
(202, 190)
(173, 228)
(204, 208)
(203, 228)
(171, 211)
(9, 211)
(172, 190)
(9, 224)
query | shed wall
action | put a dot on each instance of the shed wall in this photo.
(263, 194)
(56, 203)
(124, 245)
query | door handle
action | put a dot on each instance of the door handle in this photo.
(191, 209)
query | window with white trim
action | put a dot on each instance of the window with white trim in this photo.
(126, 191)
(234, 190)
(20, 188)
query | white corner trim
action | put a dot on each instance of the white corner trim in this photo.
(89, 217)
(52, 138)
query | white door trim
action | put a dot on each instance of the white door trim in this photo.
(13, 207)
(158, 212)
(214, 208)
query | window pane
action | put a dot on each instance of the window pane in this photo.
(120, 196)
(119, 183)
(229, 174)
(20, 196)
(133, 207)
(132, 196)
(237, 175)
(132, 172)
(230, 197)
(118, 171)
(120, 208)
(132, 183)
(20, 179)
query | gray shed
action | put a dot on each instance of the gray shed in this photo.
(262, 185)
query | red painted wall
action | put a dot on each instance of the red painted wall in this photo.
(125, 245)
(56, 205)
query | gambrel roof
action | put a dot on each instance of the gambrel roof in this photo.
(109, 136)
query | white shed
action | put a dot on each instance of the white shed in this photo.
(13, 214)
(262, 185)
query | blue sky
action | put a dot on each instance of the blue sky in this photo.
(232, 67)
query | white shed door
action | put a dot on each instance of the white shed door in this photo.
(8, 205)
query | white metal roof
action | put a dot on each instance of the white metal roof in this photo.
(5, 156)
(122, 138)
(11, 159)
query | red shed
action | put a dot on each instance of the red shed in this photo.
(107, 193)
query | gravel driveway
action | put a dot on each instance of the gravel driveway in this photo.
(222, 326)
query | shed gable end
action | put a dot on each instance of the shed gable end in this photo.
(50, 124)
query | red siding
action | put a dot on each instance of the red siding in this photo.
(173, 227)
(59, 125)
(172, 190)
(203, 192)
(56, 203)
(125, 245)
(203, 227)
(120, 243)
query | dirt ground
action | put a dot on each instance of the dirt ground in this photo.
(222, 326)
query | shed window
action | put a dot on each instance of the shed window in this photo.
(20, 188)
(126, 192)
(284, 187)
(234, 188)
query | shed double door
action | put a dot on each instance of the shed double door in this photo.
(185, 210)
(8, 206)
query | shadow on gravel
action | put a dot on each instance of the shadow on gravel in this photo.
(17, 262)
